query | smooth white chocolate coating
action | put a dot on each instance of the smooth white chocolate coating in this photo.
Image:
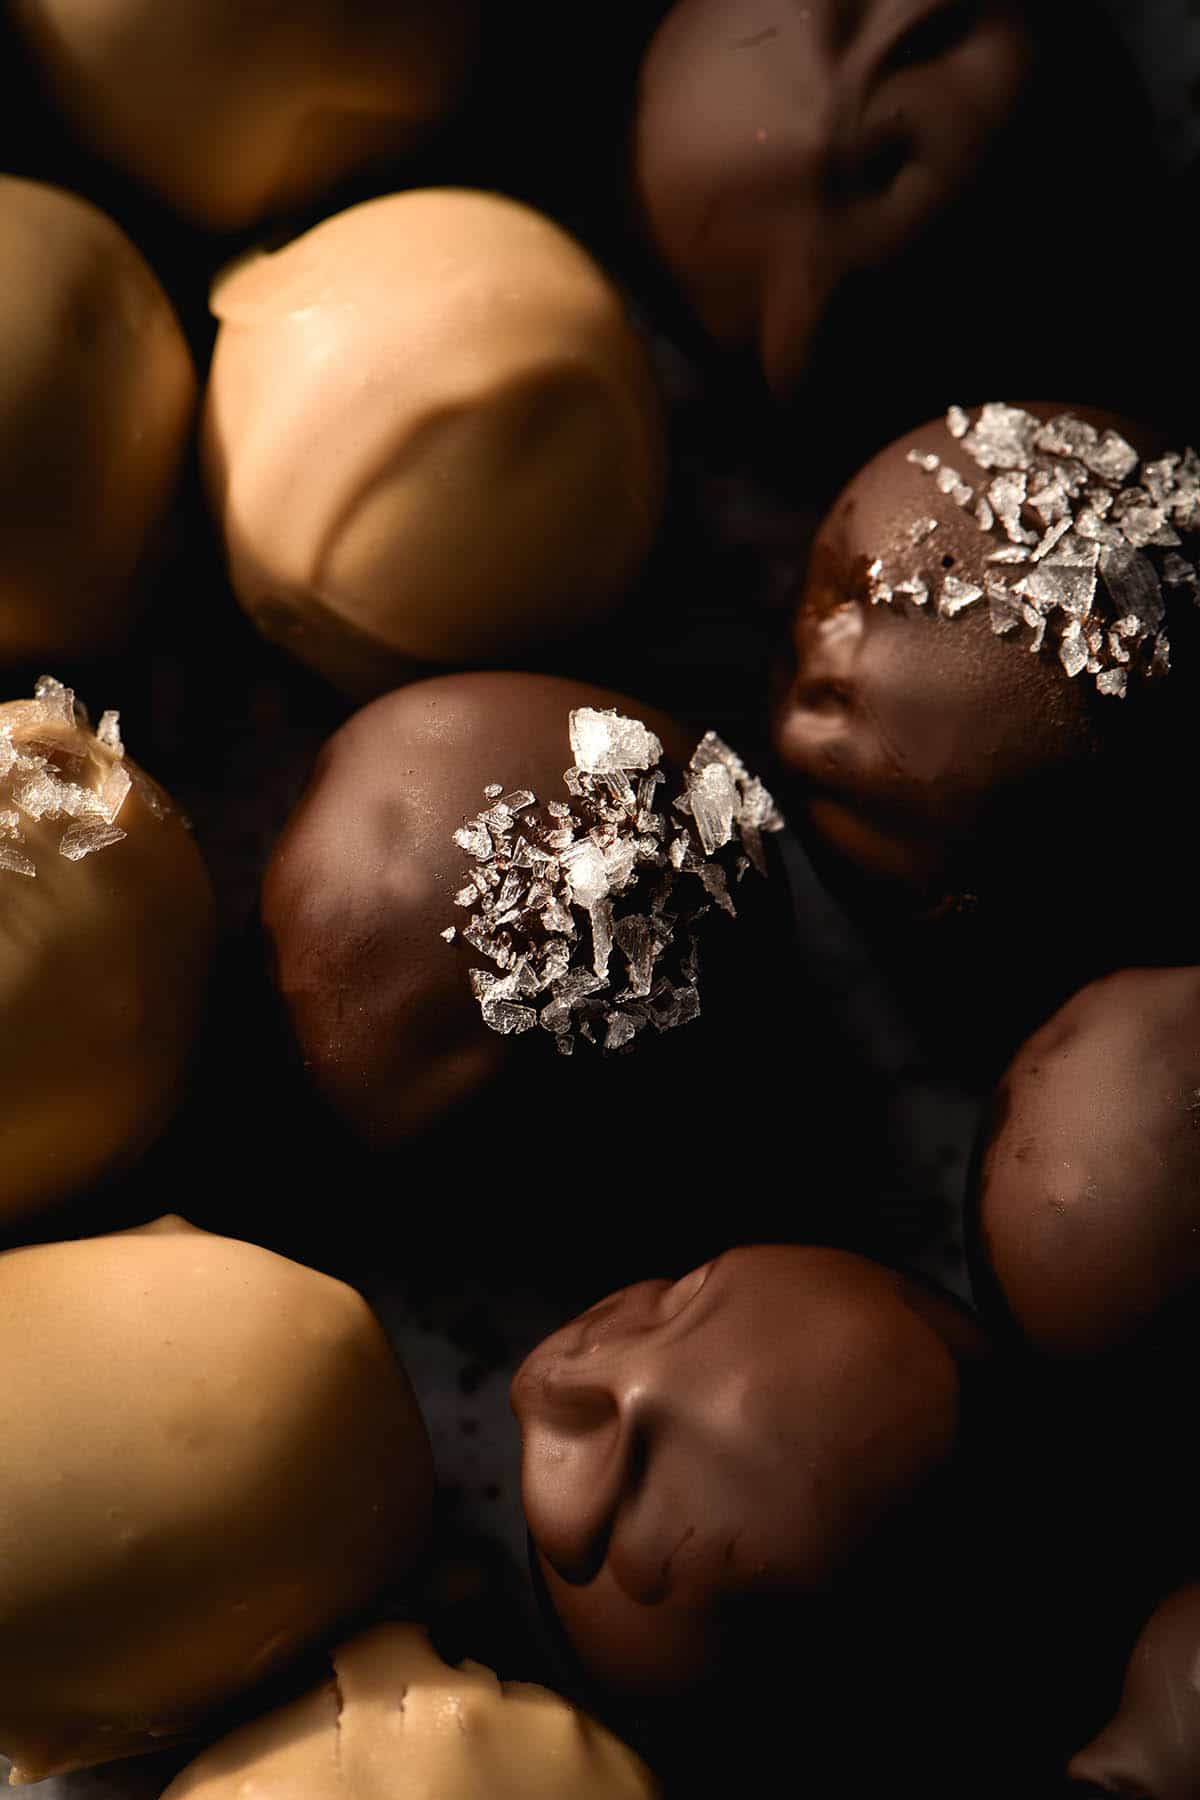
(236, 109)
(97, 392)
(397, 1723)
(211, 1456)
(430, 433)
(103, 959)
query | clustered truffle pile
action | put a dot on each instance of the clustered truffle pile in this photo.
(428, 491)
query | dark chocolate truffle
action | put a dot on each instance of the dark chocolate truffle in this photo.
(739, 1434)
(859, 192)
(443, 898)
(1151, 1748)
(993, 664)
(1089, 1186)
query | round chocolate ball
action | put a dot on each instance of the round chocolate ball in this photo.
(233, 112)
(858, 194)
(214, 1459)
(1151, 1747)
(1088, 1192)
(106, 924)
(492, 453)
(993, 663)
(97, 392)
(459, 929)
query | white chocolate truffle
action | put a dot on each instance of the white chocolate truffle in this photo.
(106, 924)
(97, 393)
(430, 433)
(397, 1723)
(236, 109)
(211, 1457)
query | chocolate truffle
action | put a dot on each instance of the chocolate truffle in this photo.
(97, 391)
(232, 112)
(1088, 1200)
(834, 187)
(491, 443)
(378, 1730)
(446, 907)
(740, 1435)
(212, 1457)
(993, 663)
(105, 932)
(1151, 1748)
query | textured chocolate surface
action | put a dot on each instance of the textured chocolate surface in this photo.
(1088, 1196)
(864, 190)
(1151, 1747)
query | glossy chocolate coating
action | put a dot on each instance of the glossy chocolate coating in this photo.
(362, 884)
(954, 783)
(739, 1435)
(1151, 1748)
(836, 186)
(1088, 1195)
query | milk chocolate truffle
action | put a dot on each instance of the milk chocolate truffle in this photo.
(1088, 1195)
(106, 920)
(449, 911)
(232, 112)
(740, 1435)
(836, 187)
(96, 396)
(212, 1458)
(397, 1723)
(491, 453)
(992, 652)
(1151, 1748)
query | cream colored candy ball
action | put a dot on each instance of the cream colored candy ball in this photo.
(211, 1456)
(106, 923)
(97, 393)
(430, 433)
(236, 109)
(397, 1723)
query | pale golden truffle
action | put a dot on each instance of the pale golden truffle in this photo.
(97, 392)
(233, 110)
(106, 921)
(430, 434)
(396, 1723)
(211, 1456)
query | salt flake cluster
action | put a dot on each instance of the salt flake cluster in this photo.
(589, 910)
(39, 785)
(1087, 542)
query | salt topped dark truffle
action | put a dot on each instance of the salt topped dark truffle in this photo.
(993, 664)
(441, 902)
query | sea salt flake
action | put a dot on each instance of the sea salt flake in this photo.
(493, 790)
(1112, 457)
(922, 529)
(15, 862)
(958, 422)
(86, 836)
(956, 596)
(712, 800)
(1003, 437)
(449, 934)
(1071, 652)
(924, 459)
(476, 840)
(1114, 682)
(606, 740)
(1133, 585)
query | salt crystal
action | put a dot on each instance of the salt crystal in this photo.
(604, 740)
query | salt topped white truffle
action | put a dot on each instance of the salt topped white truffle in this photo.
(105, 932)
